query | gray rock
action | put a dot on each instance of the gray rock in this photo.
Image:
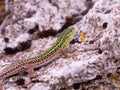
(96, 62)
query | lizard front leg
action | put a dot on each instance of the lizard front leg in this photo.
(71, 49)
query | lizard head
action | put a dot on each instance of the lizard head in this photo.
(68, 35)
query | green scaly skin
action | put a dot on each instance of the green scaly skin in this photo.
(58, 48)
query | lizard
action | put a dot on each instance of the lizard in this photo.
(28, 65)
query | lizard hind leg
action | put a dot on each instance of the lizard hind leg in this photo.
(31, 72)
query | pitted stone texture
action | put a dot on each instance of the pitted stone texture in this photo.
(47, 14)
(103, 29)
(96, 62)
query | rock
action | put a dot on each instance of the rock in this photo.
(46, 15)
(96, 62)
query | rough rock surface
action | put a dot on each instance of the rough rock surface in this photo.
(27, 17)
(96, 62)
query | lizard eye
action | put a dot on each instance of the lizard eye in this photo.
(70, 30)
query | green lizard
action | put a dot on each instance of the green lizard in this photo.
(28, 65)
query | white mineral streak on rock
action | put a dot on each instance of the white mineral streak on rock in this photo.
(40, 87)
(20, 38)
